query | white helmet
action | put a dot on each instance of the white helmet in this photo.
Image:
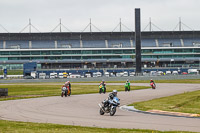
(115, 92)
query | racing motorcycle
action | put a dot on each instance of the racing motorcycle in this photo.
(65, 91)
(127, 87)
(102, 89)
(153, 86)
(109, 106)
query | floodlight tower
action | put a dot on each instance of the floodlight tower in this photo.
(138, 41)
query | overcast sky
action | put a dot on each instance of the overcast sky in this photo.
(105, 14)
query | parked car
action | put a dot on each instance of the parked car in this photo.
(125, 74)
(184, 73)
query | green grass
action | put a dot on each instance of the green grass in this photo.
(188, 102)
(28, 127)
(19, 91)
(12, 72)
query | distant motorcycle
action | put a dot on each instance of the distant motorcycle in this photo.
(109, 106)
(65, 91)
(127, 87)
(102, 89)
(153, 86)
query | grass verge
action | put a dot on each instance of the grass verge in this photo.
(188, 102)
(21, 91)
(13, 72)
(28, 127)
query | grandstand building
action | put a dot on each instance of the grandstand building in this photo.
(99, 49)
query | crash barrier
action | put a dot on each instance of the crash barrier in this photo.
(3, 92)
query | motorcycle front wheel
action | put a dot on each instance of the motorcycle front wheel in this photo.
(62, 94)
(126, 89)
(112, 111)
(65, 93)
(101, 112)
(100, 91)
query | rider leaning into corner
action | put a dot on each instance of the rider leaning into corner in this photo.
(110, 97)
(152, 81)
(68, 84)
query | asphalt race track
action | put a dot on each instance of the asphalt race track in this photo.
(83, 110)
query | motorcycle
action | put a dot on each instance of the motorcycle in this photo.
(127, 87)
(153, 86)
(65, 91)
(102, 89)
(109, 106)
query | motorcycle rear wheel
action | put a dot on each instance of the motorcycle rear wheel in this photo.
(104, 90)
(69, 93)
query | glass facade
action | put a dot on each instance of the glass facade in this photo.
(98, 54)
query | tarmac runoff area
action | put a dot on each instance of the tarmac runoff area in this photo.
(83, 110)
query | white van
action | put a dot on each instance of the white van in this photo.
(125, 74)
(60, 75)
(94, 75)
(88, 75)
(53, 75)
(75, 76)
(119, 74)
(107, 74)
(112, 75)
(168, 72)
(175, 72)
(132, 74)
(159, 73)
(99, 74)
(153, 73)
(193, 71)
(33, 74)
(42, 75)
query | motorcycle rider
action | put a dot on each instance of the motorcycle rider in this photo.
(110, 97)
(68, 84)
(103, 84)
(152, 81)
(127, 84)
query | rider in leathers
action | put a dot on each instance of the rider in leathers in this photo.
(110, 97)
